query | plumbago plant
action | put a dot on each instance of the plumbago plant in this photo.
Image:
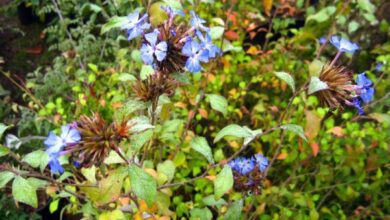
(132, 166)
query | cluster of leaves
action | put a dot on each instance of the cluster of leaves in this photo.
(324, 164)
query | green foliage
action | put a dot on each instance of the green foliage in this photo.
(173, 165)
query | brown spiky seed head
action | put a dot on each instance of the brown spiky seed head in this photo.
(155, 85)
(98, 138)
(340, 88)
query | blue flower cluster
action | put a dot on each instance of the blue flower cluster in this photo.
(198, 47)
(55, 145)
(244, 165)
(364, 86)
(343, 45)
(364, 90)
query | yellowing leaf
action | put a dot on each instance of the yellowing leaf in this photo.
(313, 123)
(267, 6)
(337, 131)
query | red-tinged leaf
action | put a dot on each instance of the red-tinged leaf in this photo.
(34, 50)
(116, 105)
(337, 131)
(282, 156)
(203, 113)
(231, 35)
(315, 148)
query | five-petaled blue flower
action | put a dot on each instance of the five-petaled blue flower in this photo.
(195, 54)
(151, 50)
(365, 89)
(261, 162)
(343, 45)
(356, 103)
(197, 22)
(55, 144)
(135, 26)
(208, 45)
(242, 165)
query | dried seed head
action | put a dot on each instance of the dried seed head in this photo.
(98, 138)
(340, 89)
(154, 86)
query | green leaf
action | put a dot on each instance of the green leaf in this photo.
(174, 4)
(201, 214)
(23, 191)
(210, 201)
(54, 205)
(140, 124)
(223, 182)
(323, 15)
(142, 184)
(5, 177)
(37, 183)
(200, 145)
(114, 22)
(129, 107)
(316, 85)
(139, 140)
(216, 32)
(315, 67)
(237, 131)
(167, 168)
(89, 174)
(218, 103)
(126, 77)
(287, 78)
(353, 26)
(3, 127)
(366, 5)
(93, 67)
(295, 129)
(37, 159)
(113, 158)
(254, 134)
(232, 130)
(4, 150)
(146, 70)
(234, 211)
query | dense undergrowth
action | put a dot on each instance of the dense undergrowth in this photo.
(263, 110)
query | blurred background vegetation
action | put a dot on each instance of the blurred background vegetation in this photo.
(56, 65)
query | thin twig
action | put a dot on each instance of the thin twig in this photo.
(58, 11)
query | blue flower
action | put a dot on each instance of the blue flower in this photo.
(235, 164)
(195, 54)
(242, 165)
(197, 22)
(365, 89)
(148, 51)
(344, 45)
(135, 26)
(247, 165)
(54, 163)
(356, 103)
(322, 39)
(208, 45)
(55, 144)
(379, 67)
(172, 12)
(261, 162)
